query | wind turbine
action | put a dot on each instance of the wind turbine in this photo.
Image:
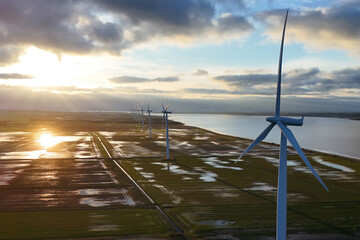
(286, 134)
(141, 110)
(148, 112)
(165, 114)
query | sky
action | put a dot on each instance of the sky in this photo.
(198, 55)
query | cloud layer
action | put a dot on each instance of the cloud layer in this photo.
(131, 79)
(89, 27)
(296, 82)
(336, 26)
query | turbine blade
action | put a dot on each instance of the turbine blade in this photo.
(278, 92)
(167, 107)
(261, 137)
(290, 136)
(162, 106)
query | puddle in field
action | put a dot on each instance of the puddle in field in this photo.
(24, 155)
(48, 140)
(173, 168)
(13, 165)
(123, 199)
(81, 134)
(295, 165)
(150, 178)
(179, 132)
(206, 176)
(93, 191)
(236, 160)
(131, 149)
(82, 146)
(174, 198)
(201, 138)
(148, 175)
(261, 187)
(332, 165)
(217, 223)
(12, 136)
(216, 163)
(93, 202)
(5, 178)
(161, 143)
(100, 228)
(83, 154)
(215, 143)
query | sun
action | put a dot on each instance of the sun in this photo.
(47, 140)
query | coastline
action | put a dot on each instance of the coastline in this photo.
(333, 154)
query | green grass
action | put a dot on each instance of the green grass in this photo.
(86, 223)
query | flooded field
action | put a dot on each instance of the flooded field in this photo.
(81, 175)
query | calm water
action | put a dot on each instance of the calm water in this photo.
(332, 135)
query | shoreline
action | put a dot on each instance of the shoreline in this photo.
(351, 158)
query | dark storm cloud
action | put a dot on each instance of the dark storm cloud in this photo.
(90, 27)
(200, 72)
(131, 79)
(15, 76)
(298, 81)
(336, 26)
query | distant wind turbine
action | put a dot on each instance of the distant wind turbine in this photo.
(142, 117)
(286, 134)
(165, 114)
(149, 112)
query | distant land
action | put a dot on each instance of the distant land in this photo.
(349, 115)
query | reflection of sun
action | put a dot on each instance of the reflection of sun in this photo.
(47, 140)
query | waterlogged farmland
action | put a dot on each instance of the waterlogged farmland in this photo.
(81, 175)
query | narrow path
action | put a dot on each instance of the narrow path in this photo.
(157, 206)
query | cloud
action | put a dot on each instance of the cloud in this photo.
(319, 28)
(231, 23)
(200, 72)
(131, 79)
(311, 81)
(238, 81)
(116, 99)
(14, 76)
(106, 26)
(166, 79)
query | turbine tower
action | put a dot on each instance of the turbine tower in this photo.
(286, 134)
(141, 110)
(165, 114)
(149, 112)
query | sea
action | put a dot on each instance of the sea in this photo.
(338, 136)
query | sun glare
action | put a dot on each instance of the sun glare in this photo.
(47, 140)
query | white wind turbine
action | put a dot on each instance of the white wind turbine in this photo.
(286, 134)
(148, 111)
(141, 110)
(165, 114)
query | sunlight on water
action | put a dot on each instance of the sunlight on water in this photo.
(47, 140)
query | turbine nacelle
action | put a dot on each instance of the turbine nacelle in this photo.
(286, 121)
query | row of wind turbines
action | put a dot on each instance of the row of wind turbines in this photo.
(165, 113)
(286, 135)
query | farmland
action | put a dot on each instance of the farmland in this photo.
(98, 175)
